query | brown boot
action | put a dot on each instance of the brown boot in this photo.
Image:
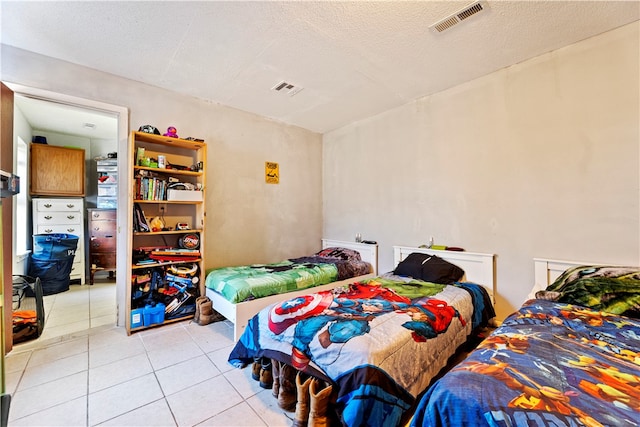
(302, 407)
(255, 369)
(196, 317)
(266, 376)
(275, 373)
(287, 388)
(319, 403)
(206, 311)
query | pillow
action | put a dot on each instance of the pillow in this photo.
(429, 268)
(604, 288)
(340, 253)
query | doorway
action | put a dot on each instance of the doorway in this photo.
(78, 109)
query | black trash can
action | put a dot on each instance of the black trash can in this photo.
(52, 261)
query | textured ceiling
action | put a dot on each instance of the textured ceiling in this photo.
(354, 59)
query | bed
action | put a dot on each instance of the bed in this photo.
(239, 309)
(377, 341)
(569, 357)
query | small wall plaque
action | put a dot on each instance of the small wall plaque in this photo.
(271, 173)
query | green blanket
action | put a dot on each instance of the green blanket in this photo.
(611, 289)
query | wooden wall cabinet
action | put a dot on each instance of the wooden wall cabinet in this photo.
(56, 171)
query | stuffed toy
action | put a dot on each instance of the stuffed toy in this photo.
(171, 132)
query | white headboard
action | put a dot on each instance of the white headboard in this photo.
(368, 252)
(478, 267)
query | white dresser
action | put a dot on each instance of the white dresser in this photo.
(57, 215)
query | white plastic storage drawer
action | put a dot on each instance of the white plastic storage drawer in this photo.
(109, 190)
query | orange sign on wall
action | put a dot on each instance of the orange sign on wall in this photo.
(271, 173)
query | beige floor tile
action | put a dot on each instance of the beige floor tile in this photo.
(59, 350)
(202, 401)
(173, 353)
(266, 406)
(122, 398)
(115, 350)
(220, 359)
(186, 374)
(66, 329)
(243, 382)
(110, 336)
(64, 317)
(210, 337)
(16, 360)
(154, 414)
(60, 368)
(68, 414)
(108, 319)
(45, 396)
(241, 415)
(120, 371)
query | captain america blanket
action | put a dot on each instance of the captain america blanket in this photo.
(378, 341)
(549, 364)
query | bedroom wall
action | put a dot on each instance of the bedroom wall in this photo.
(247, 219)
(539, 159)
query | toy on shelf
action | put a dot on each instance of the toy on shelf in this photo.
(171, 132)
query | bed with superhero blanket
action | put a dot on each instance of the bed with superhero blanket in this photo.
(374, 344)
(239, 292)
(569, 357)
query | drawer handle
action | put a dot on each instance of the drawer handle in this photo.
(70, 205)
(71, 230)
(96, 228)
(96, 215)
(47, 205)
(71, 216)
(48, 217)
(48, 230)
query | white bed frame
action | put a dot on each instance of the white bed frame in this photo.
(479, 268)
(240, 313)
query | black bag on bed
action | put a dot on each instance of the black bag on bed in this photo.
(429, 268)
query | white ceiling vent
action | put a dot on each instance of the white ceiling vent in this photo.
(287, 88)
(459, 16)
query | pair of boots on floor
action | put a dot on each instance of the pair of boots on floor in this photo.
(205, 313)
(309, 397)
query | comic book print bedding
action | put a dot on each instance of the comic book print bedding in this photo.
(549, 364)
(248, 282)
(379, 341)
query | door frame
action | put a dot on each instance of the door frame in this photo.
(122, 116)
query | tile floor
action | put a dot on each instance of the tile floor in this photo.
(84, 371)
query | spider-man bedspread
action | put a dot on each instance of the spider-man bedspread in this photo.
(379, 341)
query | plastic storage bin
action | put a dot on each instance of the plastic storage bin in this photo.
(153, 315)
(136, 318)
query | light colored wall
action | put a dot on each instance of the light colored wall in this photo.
(247, 220)
(536, 160)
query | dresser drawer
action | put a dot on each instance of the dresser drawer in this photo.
(103, 260)
(102, 215)
(58, 205)
(102, 244)
(76, 229)
(44, 218)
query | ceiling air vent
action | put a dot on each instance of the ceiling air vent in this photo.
(287, 88)
(459, 16)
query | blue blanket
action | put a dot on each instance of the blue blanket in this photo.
(549, 364)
